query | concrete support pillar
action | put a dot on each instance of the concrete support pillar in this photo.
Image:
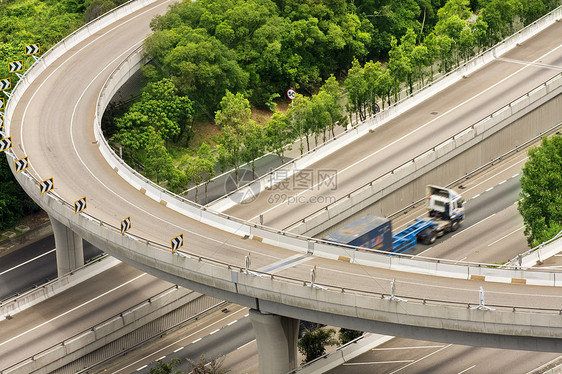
(70, 251)
(276, 337)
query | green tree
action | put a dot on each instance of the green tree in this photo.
(332, 99)
(357, 89)
(14, 202)
(278, 134)
(158, 164)
(541, 191)
(162, 367)
(235, 111)
(199, 64)
(207, 162)
(254, 143)
(347, 335)
(313, 343)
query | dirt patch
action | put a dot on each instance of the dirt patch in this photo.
(203, 132)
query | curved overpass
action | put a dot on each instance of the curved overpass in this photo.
(50, 119)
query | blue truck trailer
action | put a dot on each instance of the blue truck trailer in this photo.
(445, 214)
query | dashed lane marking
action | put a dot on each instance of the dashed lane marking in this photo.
(505, 236)
(245, 345)
(469, 227)
(467, 369)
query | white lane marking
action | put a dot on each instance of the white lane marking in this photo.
(489, 189)
(68, 60)
(196, 340)
(181, 340)
(376, 362)
(161, 358)
(496, 174)
(422, 252)
(214, 332)
(245, 345)
(475, 196)
(502, 182)
(547, 66)
(142, 367)
(408, 348)
(414, 131)
(516, 175)
(27, 262)
(232, 323)
(505, 236)
(179, 349)
(467, 369)
(461, 260)
(469, 227)
(93, 175)
(246, 315)
(422, 358)
(72, 310)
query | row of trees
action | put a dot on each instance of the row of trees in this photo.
(458, 35)
(260, 47)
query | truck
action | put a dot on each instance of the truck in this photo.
(445, 214)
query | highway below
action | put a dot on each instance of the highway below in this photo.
(33, 265)
(496, 202)
(110, 199)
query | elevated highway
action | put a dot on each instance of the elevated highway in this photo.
(50, 119)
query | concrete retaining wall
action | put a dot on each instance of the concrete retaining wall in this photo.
(28, 299)
(108, 331)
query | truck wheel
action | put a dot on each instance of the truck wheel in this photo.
(432, 237)
(455, 225)
(428, 236)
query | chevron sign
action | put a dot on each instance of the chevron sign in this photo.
(47, 185)
(5, 84)
(1, 121)
(2, 103)
(16, 66)
(5, 144)
(21, 164)
(177, 242)
(32, 49)
(80, 205)
(125, 225)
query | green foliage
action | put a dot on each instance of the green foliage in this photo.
(541, 191)
(275, 45)
(14, 202)
(162, 367)
(313, 343)
(347, 335)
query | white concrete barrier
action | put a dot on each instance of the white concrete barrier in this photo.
(28, 299)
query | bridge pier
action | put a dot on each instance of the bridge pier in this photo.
(276, 337)
(69, 248)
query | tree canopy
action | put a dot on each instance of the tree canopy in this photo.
(541, 191)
